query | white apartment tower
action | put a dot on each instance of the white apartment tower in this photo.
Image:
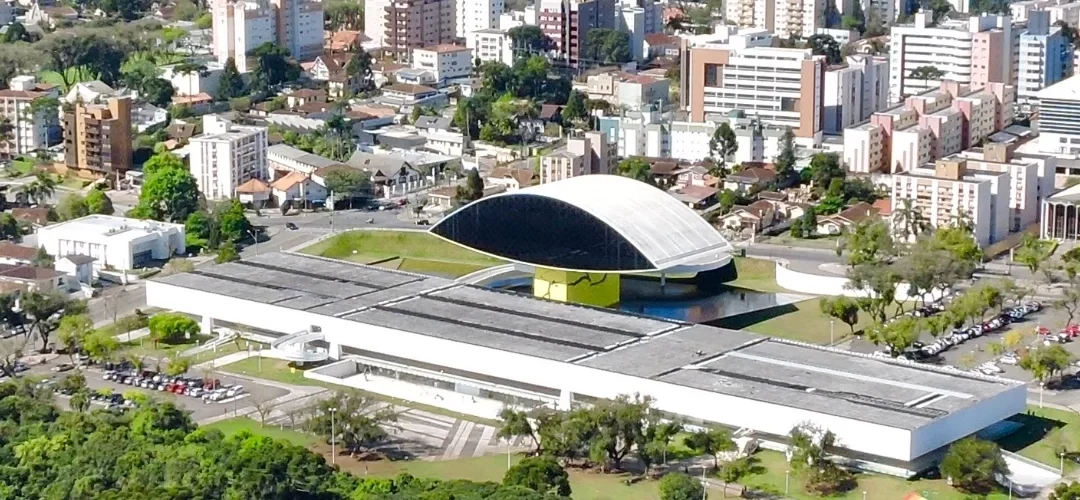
(1044, 57)
(227, 155)
(491, 46)
(29, 131)
(240, 26)
(475, 15)
(972, 52)
(855, 91)
(784, 18)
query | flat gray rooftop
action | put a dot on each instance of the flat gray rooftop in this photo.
(736, 363)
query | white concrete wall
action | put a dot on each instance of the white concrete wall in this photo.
(860, 436)
(817, 284)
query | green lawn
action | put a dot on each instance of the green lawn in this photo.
(585, 485)
(413, 251)
(146, 348)
(800, 321)
(236, 425)
(22, 167)
(785, 238)
(1046, 431)
(755, 274)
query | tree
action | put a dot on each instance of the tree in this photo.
(636, 168)
(177, 366)
(679, 486)
(41, 188)
(722, 145)
(169, 192)
(516, 423)
(9, 227)
(1066, 491)
(359, 66)
(227, 252)
(926, 73)
(710, 442)
(357, 420)
(344, 16)
(1068, 32)
(348, 183)
(1045, 362)
(529, 39)
(157, 91)
(786, 176)
(540, 474)
(42, 258)
(843, 309)
(72, 206)
(16, 33)
(80, 400)
(575, 108)
(231, 221)
(1070, 303)
(472, 190)
(100, 345)
(805, 226)
(231, 84)
(71, 332)
(171, 328)
(97, 202)
(1033, 253)
(972, 463)
(897, 335)
(46, 310)
(273, 66)
(606, 46)
(825, 45)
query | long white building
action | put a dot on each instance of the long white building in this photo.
(114, 242)
(227, 155)
(972, 52)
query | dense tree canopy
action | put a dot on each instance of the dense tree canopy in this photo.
(169, 192)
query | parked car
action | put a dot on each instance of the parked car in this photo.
(1009, 359)
(63, 367)
(290, 226)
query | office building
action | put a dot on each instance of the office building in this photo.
(855, 91)
(97, 138)
(399, 26)
(592, 153)
(29, 131)
(445, 62)
(783, 18)
(241, 26)
(1059, 128)
(227, 155)
(782, 87)
(1045, 57)
(928, 126)
(491, 45)
(113, 242)
(974, 52)
(474, 15)
(953, 193)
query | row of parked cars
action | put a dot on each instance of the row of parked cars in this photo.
(961, 335)
(208, 390)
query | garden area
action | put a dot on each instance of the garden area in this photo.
(413, 251)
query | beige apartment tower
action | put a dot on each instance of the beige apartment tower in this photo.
(97, 138)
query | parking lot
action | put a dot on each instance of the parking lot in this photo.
(201, 411)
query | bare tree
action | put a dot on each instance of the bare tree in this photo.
(264, 409)
(10, 352)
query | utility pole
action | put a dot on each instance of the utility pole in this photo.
(333, 437)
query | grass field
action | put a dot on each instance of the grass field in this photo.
(785, 238)
(236, 425)
(756, 274)
(800, 321)
(406, 250)
(1046, 432)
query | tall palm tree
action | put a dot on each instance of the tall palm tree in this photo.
(7, 134)
(40, 189)
(908, 220)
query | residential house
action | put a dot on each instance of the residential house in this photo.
(78, 268)
(661, 45)
(846, 219)
(695, 197)
(304, 96)
(407, 96)
(254, 192)
(32, 279)
(326, 65)
(752, 219)
(146, 115)
(442, 198)
(383, 73)
(36, 217)
(298, 188)
(11, 253)
(346, 41)
(750, 180)
(512, 179)
(693, 175)
(389, 174)
(199, 103)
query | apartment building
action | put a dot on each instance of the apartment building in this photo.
(445, 62)
(97, 138)
(639, 133)
(855, 91)
(655, 135)
(399, 26)
(511, 19)
(491, 45)
(474, 15)
(568, 22)
(1045, 58)
(974, 52)
(782, 87)
(592, 153)
(227, 155)
(241, 26)
(928, 126)
(29, 131)
(1059, 128)
(627, 90)
(784, 18)
(1031, 179)
(952, 193)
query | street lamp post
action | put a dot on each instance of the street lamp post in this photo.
(256, 238)
(704, 485)
(333, 437)
(787, 482)
(832, 338)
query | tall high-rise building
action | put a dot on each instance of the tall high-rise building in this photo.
(784, 18)
(29, 131)
(855, 91)
(97, 138)
(975, 51)
(399, 26)
(227, 155)
(568, 23)
(475, 15)
(242, 25)
(1044, 57)
(781, 87)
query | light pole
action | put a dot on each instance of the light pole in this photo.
(832, 338)
(704, 485)
(864, 495)
(787, 482)
(333, 437)
(256, 238)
